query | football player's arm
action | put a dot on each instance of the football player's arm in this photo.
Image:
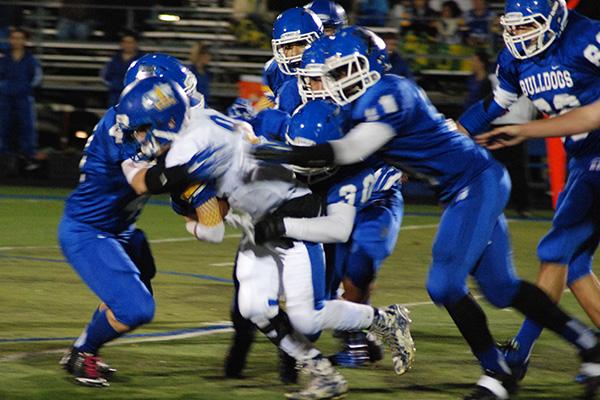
(478, 117)
(358, 144)
(155, 179)
(335, 227)
(208, 225)
(576, 121)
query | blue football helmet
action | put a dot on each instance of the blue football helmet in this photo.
(296, 26)
(357, 59)
(151, 113)
(314, 123)
(312, 69)
(159, 64)
(331, 14)
(242, 110)
(531, 26)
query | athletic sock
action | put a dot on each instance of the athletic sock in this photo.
(472, 324)
(528, 334)
(96, 334)
(536, 304)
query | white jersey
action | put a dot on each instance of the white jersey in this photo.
(221, 156)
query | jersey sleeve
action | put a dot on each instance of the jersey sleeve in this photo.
(271, 124)
(508, 90)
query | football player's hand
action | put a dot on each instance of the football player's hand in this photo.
(268, 229)
(498, 138)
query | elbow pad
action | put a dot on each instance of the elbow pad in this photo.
(477, 118)
(160, 179)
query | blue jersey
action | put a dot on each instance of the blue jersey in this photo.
(274, 78)
(565, 76)
(104, 199)
(425, 144)
(351, 185)
(18, 78)
(387, 182)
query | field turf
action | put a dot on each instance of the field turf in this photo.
(43, 305)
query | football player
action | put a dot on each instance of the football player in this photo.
(97, 232)
(213, 155)
(552, 56)
(394, 119)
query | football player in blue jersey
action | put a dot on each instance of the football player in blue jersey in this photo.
(395, 120)
(97, 232)
(293, 30)
(331, 14)
(552, 56)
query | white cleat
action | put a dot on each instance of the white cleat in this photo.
(392, 326)
(325, 383)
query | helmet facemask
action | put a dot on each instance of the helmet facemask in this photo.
(289, 64)
(534, 40)
(306, 76)
(347, 78)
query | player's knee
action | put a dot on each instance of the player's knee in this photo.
(444, 290)
(257, 309)
(580, 267)
(306, 322)
(140, 312)
(551, 250)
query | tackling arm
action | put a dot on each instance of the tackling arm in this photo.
(335, 227)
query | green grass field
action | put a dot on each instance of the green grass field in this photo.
(41, 297)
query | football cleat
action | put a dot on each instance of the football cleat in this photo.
(589, 372)
(105, 370)
(391, 326)
(84, 367)
(325, 383)
(493, 386)
(510, 349)
(355, 352)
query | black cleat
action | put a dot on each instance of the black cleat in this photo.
(493, 386)
(105, 370)
(288, 370)
(508, 348)
(85, 368)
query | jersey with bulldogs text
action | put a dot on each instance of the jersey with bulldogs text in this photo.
(565, 76)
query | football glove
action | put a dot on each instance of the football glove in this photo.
(269, 229)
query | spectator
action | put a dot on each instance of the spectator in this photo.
(20, 72)
(479, 84)
(9, 16)
(73, 21)
(400, 13)
(372, 12)
(397, 63)
(424, 19)
(114, 72)
(450, 23)
(479, 24)
(200, 57)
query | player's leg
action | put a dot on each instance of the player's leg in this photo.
(373, 240)
(243, 336)
(108, 271)
(257, 270)
(309, 311)
(465, 229)
(573, 226)
(138, 249)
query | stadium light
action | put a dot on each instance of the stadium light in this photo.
(81, 134)
(169, 17)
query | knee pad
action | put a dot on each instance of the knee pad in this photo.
(578, 268)
(443, 289)
(139, 312)
(255, 307)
